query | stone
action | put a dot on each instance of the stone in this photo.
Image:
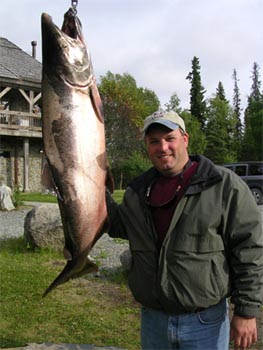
(43, 227)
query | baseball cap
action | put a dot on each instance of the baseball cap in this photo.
(169, 119)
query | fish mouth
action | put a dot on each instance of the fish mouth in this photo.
(71, 26)
(64, 51)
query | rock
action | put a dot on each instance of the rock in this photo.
(126, 259)
(43, 227)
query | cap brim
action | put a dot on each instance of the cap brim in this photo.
(167, 123)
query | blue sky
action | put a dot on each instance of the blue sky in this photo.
(155, 40)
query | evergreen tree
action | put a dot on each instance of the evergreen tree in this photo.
(220, 131)
(197, 102)
(197, 139)
(197, 142)
(252, 147)
(237, 113)
(256, 83)
(220, 92)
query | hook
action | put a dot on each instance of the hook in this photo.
(74, 4)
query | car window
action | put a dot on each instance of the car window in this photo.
(241, 170)
(230, 167)
(255, 169)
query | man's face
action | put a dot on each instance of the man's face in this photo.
(167, 149)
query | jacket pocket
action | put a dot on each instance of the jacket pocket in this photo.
(196, 270)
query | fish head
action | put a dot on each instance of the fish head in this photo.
(64, 53)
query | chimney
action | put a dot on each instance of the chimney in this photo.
(34, 44)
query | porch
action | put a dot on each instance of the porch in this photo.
(24, 124)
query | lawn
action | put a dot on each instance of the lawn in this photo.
(88, 310)
(48, 198)
(91, 310)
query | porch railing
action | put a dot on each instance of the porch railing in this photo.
(20, 120)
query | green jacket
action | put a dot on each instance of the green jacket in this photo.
(213, 248)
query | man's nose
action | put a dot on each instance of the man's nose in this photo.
(163, 145)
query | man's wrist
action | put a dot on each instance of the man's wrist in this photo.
(246, 317)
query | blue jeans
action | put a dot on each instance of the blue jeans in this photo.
(205, 330)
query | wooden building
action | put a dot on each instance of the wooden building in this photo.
(20, 117)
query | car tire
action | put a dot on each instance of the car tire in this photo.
(257, 195)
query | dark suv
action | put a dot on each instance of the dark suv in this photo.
(252, 174)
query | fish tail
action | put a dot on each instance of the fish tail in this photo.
(69, 273)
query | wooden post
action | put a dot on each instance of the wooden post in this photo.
(26, 165)
(16, 168)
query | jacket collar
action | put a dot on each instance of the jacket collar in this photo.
(205, 176)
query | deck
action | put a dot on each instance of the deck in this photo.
(25, 124)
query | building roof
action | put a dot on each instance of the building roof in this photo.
(18, 67)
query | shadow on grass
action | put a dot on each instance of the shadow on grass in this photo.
(10, 343)
(13, 245)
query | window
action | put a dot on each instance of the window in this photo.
(241, 170)
(255, 169)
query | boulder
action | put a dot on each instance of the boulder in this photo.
(43, 227)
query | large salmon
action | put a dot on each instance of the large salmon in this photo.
(74, 141)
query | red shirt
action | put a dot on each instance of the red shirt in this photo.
(164, 195)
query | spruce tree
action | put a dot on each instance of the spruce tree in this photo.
(220, 92)
(219, 131)
(256, 83)
(252, 147)
(197, 91)
(237, 113)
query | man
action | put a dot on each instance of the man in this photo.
(195, 238)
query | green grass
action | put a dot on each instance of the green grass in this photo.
(48, 198)
(83, 311)
(88, 310)
(37, 197)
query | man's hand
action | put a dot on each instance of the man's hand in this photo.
(243, 331)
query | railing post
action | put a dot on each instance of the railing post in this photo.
(26, 165)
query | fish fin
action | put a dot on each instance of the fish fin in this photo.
(96, 101)
(91, 266)
(69, 273)
(46, 176)
(109, 180)
(47, 179)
